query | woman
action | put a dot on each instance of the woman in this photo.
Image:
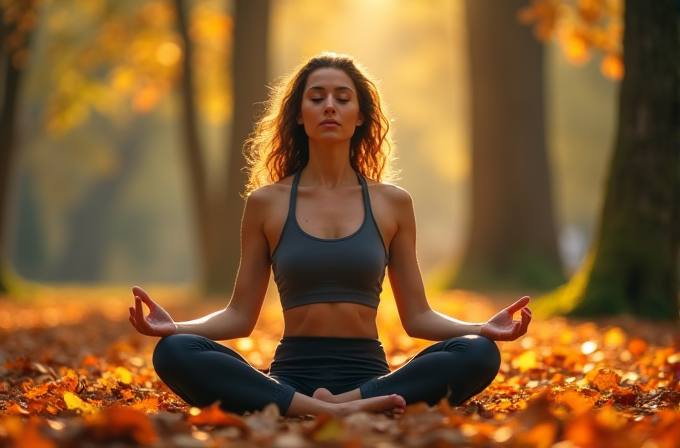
(319, 214)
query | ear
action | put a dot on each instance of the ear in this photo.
(299, 119)
(360, 119)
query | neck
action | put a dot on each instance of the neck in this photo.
(328, 166)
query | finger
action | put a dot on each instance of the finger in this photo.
(139, 311)
(141, 294)
(521, 303)
(526, 318)
(144, 297)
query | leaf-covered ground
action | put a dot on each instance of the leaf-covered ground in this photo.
(74, 374)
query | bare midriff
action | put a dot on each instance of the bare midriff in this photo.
(335, 320)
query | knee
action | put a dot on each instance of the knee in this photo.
(168, 352)
(485, 355)
(480, 353)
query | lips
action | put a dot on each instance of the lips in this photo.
(329, 123)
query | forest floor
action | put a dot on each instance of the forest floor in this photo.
(73, 373)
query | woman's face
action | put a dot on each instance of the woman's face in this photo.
(330, 106)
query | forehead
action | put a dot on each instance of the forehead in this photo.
(329, 79)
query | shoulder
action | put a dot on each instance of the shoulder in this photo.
(271, 193)
(390, 194)
(268, 198)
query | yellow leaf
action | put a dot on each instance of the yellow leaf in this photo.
(526, 361)
(123, 374)
(330, 431)
(614, 337)
(74, 402)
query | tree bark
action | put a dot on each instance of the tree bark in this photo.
(633, 264)
(512, 238)
(11, 80)
(206, 223)
(251, 32)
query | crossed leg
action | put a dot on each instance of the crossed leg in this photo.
(456, 369)
(202, 372)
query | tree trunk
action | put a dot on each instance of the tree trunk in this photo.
(251, 31)
(512, 240)
(633, 264)
(11, 80)
(206, 223)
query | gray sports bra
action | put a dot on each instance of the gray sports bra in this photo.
(315, 270)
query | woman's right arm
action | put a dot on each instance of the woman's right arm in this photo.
(239, 318)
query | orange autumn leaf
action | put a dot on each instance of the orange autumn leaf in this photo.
(147, 405)
(16, 409)
(122, 423)
(32, 437)
(214, 416)
(532, 395)
(581, 27)
(542, 435)
(637, 346)
(612, 67)
(604, 379)
(543, 14)
(576, 48)
(90, 361)
(590, 11)
(575, 401)
(595, 430)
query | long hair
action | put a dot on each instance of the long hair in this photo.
(279, 145)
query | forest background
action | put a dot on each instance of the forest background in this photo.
(100, 191)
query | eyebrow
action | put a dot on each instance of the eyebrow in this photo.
(337, 88)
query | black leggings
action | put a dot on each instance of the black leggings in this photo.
(202, 371)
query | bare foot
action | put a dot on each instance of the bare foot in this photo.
(394, 404)
(325, 395)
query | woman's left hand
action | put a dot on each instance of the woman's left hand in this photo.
(504, 327)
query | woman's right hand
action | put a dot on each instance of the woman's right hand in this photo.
(157, 323)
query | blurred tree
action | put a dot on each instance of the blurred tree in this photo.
(512, 240)
(632, 266)
(108, 61)
(17, 19)
(205, 221)
(251, 33)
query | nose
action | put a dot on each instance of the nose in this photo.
(329, 105)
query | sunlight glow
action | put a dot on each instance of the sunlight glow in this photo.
(168, 53)
(588, 347)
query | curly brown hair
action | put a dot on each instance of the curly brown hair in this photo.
(279, 145)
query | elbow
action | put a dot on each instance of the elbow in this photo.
(418, 325)
(414, 331)
(244, 332)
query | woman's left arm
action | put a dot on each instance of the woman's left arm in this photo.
(417, 317)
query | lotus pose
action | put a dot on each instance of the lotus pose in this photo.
(321, 215)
